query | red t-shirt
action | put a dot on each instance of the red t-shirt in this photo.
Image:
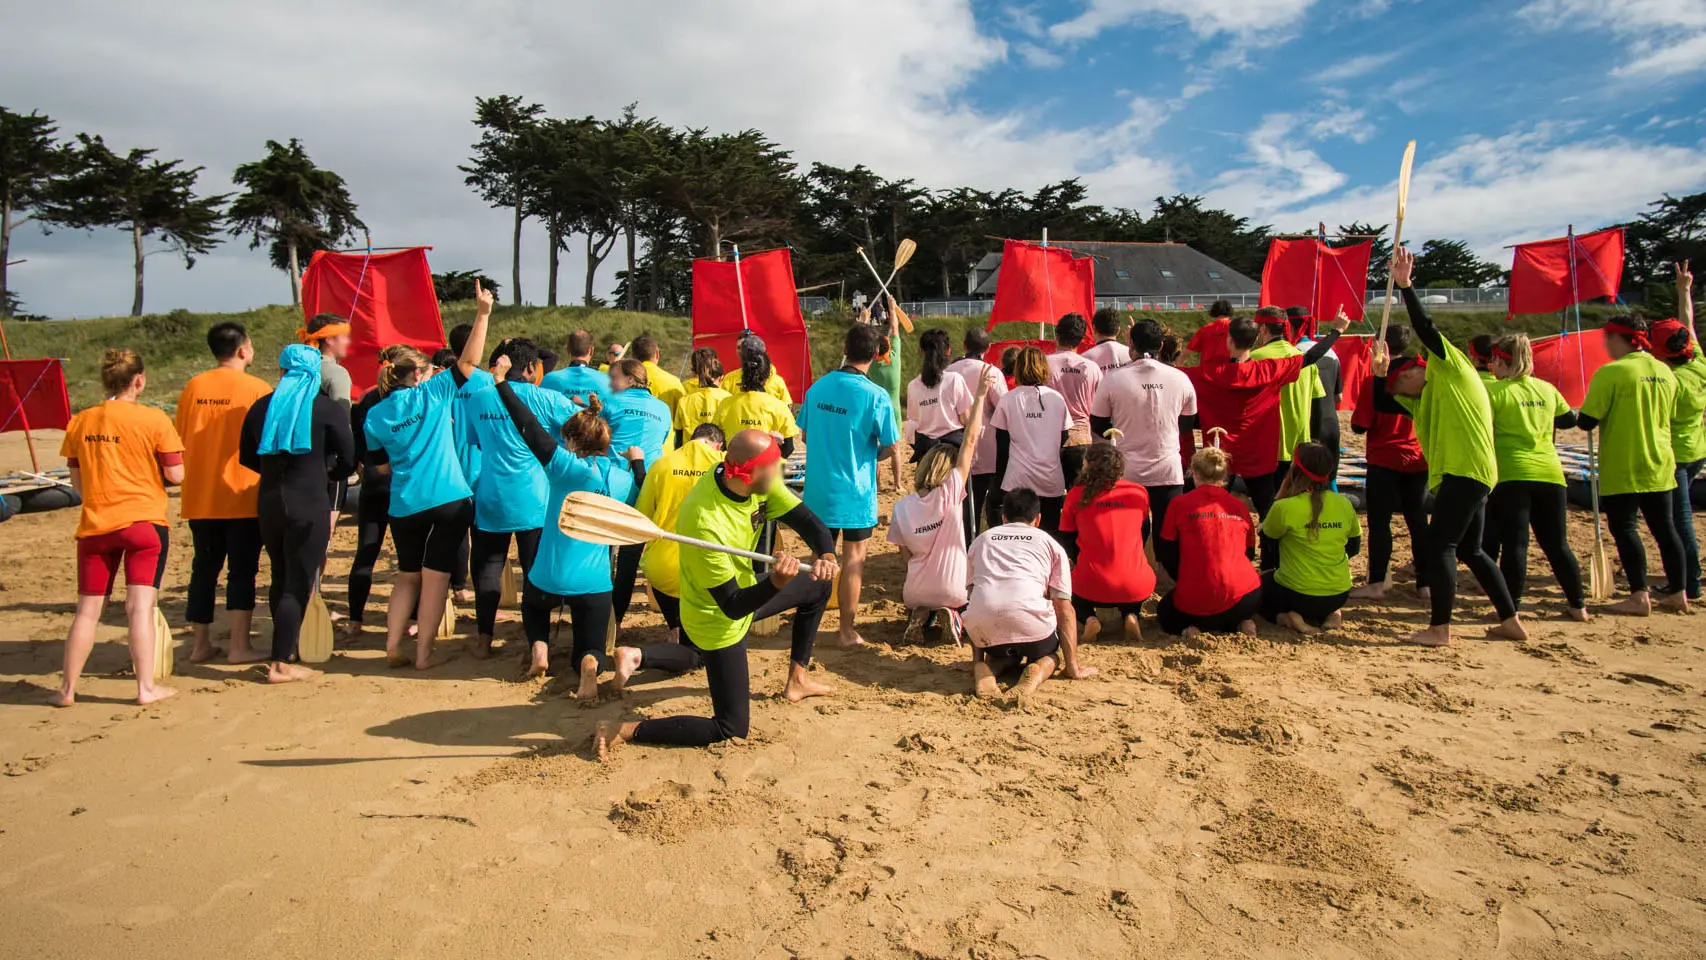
(1111, 566)
(1215, 534)
(1391, 437)
(1247, 397)
(1209, 341)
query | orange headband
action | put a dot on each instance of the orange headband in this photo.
(744, 472)
(324, 333)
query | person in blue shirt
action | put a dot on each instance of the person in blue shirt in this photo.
(509, 495)
(566, 572)
(637, 419)
(410, 434)
(848, 424)
(579, 380)
(467, 453)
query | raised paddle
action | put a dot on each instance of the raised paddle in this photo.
(163, 652)
(592, 518)
(1397, 232)
(1599, 568)
(905, 321)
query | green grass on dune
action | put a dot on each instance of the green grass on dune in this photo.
(174, 347)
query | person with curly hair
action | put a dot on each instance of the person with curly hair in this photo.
(1104, 524)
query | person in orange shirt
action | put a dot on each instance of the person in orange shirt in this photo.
(218, 497)
(122, 456)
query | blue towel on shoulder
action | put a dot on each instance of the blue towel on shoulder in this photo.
(289, 426)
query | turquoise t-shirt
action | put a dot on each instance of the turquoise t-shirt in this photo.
(467, 453)
(578, 380)
(412, 426)
(568, 567)
(511, 491)
(846, 420)
(638, 419)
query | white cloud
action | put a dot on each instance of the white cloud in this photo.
(1355, 67)
(1678, 25)
(1204, 17)
(1283, 174)
(1343, 122)
(1039, 56)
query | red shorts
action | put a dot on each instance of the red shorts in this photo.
(141, 547)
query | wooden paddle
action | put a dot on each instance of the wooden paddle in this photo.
(902, 254)
(1397, 232)
(163, 651)
(592, 518)
(509, 587)
(315, 643)
(1600, 577)
(447, 626)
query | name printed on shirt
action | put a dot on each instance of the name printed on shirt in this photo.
(832, 408)
(406, 422)
(213, 401)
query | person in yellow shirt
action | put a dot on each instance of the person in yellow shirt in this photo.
(218, 499)
(752, 408)
(752, 346)
(698, 405)
(664, 385)
(666, 486)
(122, 457)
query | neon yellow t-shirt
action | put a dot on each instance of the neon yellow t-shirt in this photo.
(698, 407)
(1687, 435)
(664, 385)
(667, 484)
(1634, 400)
(1312, 556)
(708, 513)
(1454, 420)
(775, 386)
(1523, 411)
(756, 411)
(1295, 397)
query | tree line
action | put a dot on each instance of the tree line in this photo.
(666, 196)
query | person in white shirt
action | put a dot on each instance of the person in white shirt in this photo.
(1149, 405)
(1032, 428)
(984, 501)
(1108, 353)
(938, 400)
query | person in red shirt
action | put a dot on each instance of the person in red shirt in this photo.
(1397, 475)
(1251, 389)
(1208, 343)
(1104, 525)
(1207, 542)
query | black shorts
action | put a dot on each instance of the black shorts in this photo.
(922, 444)
(1009, 655)
(337, 492)
(431, 539)
(853, 536)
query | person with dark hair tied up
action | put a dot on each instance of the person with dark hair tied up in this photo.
(1675, 344)
(295, 439)
(1632, 402)
(1454, 422)
(1397, 474)
(1104, 524)
(1530, 491)
(1323, 423)
(754, 407)
(1108, 353)
(701, 397)
(1317, 532)
(637, 419)
(1151, 407)
(570, 573)
(973, 369)
(1206, 544)
(1009, 364)
(1032, 430)
(938, 401)
(1075, 378)
(218, 497)
(750, 345)
(1298, 398)
(1209, 342)
(1481, 355)
(511, 492)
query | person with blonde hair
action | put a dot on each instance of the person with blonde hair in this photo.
(432, 506)
(1206, 544)
(701, 397)
(1530, 493)
(1032, 429)
(1317, 533)
(122, 456)
(1104, 525)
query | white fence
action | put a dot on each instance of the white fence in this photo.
(1492, 298)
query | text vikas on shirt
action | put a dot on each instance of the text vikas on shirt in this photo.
(1145, 400)
(118, 448)
(210, 416)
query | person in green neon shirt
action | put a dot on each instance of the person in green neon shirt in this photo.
(1531, 491)
(1454, 422)
(1674, 343)
(1316, 532)
(1632, 402)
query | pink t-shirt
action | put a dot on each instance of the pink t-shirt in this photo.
(1017, 572)
(1076, 378)
(1034, 418)
(1145, 401)
(939, 410)
(933, 530)
(1110, 355)
(970, 369)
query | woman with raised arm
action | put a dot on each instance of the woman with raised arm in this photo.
(1397, 476)
(1674, 342)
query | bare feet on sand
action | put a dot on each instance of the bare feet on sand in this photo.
(588, 688)
(1133, 630)
(397, 660)
(1634, 605)
(1370, 591)
(278, 672)
(1033, 677)
(1578, 614)
(1193, 632)
(1511, 629)
(1295, 623)
(202, 652)
(63, 698)
(1424, 594)
(1092, 628)
(1334, 621)
(627, 661)
(608, 735)
(481, 648)
(801, 685)
(238, 657)
(1247, 628)
(849, 638)
(154, 695)
(1439, 636)
(539, 661)
(1673, 602)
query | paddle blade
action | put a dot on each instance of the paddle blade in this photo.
(163, 650)
(903, 253)
(1599, 574)
(1404, 180)
(591, 518)
(314, 645)
(509, 588)
(768, 627)
(905, 321)
(447, 626)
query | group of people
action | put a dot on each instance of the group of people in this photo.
(1045, 491)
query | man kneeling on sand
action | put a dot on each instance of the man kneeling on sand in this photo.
(1020, 615)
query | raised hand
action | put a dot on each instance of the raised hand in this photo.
(1380, 359)
(1403, 267)
(483, 300)
(1684, 278)
(1342, 321)
(501, 366)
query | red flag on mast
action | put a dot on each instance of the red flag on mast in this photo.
(1308, 273)
(1041, 284)
(772, 312)
(1541, 276)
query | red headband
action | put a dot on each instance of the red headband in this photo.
(1662, 334)
(1637, 338)
(1404, 363)
(1317, 477)
(1476, 354)
(1500, 353)
(744, 472)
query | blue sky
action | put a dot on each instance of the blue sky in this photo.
(1530, 115)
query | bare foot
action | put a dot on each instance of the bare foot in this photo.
(588, 689)
(1133, 630)
(1424, 593)
(1439, 636)
(1247, 628)
(154, 695)
(429, 661)
(1091, 629)
(1295, 623)
(1511, 629)
(987, 687)
(627, 661)
(606, 737)
(845, 638)
(1673, 602)
(290, 673)
(1033, 677)
(1635, 605)
(801, 685)
(63, 698)
(203, 652)
(1193, 632)
(1370, 591)
(1578, 614)
(540, 662)
(397, 660)
(465, 597)
(238, 657)
(1334, 621)
(336, 617)
(350, 629)
(480, 647)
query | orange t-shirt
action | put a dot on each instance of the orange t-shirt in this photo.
(118, 446)
(210, 421)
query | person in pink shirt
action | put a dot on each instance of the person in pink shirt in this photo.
(928, 525)
(1075, 378)
(1020, 615)
(1032, 425)
(1108, 353)
(937, 400)
(972, 368)
(1151, 406)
